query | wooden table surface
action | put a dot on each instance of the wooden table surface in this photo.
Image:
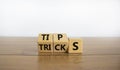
(21, 53)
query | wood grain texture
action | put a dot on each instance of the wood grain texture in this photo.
(21, 53)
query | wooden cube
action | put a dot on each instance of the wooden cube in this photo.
(75, 45)
(60, 43)
(45, 43)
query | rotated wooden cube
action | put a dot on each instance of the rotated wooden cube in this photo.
(60, 43)
(45, 43)
(75, 45)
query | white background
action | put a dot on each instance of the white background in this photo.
(81, 18)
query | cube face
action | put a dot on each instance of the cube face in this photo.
(45, 47)
(45, 38)
(45, 43)
(75, 45)
(60, 47)
(60, 43)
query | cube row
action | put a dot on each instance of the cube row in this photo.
(59, 43)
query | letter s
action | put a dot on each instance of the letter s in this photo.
(76, 47)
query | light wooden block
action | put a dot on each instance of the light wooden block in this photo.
(75, 45)
(45, 43)
(60, 43)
